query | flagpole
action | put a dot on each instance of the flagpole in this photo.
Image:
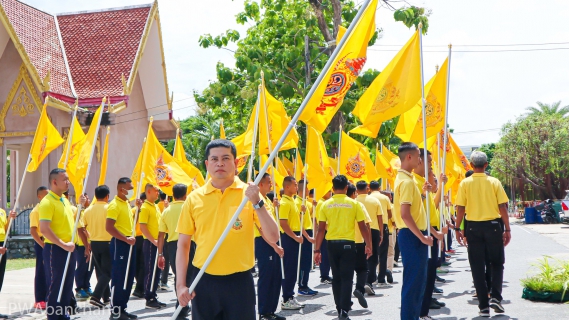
(275, 167)
(255, 129)
(301, 221)
(288, 129)
(79, 207)
(70, 137)
(295, 161)
(313, 228)
(425, 155)
(445, 138)
(339, 150)
(17, 202)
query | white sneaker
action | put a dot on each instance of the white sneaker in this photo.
(384, 285)
(290, 305)
(302, 305)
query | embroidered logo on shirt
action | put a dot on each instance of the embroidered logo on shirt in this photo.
(238, 224)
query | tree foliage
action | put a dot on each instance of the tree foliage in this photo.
(289, 41)
(549, 109)
(534, 151)
(489, 149)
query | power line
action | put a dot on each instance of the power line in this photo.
(483, 51)
(146, 117)
(479, 45)
(476, 131)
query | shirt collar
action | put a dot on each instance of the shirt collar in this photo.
(119, 199)
(287, 197)
(339, 196)
(479, 175)
(237, 184)
(405, 172)
(177, 202)
(55, 196)
(362, 195)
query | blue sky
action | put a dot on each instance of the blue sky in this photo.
(487, 88)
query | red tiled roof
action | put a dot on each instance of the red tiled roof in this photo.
(37, 32)
(100, 46)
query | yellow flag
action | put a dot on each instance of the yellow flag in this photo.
(458, 152)
(355, 162)
(410, 125)
(319, 173)
(454, 169)
(392, 158)
(394, 91)
(384, 168)
(289, 166)
(298, 167)
(329, 95)
(77, 135)
(333, 165)
(46, 139)
(190, 170)
(103, 174)
(280, 173)
(221, 130)
(242, 162)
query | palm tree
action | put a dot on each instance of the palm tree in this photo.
(548, 109)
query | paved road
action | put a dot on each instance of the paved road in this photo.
(527, 246)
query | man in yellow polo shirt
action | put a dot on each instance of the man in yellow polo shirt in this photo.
(95, 219)
(341, 214)
(40, 289)
(325, 263)
(139, 274)
(204, 217)
(411, 220)
(307, 232)
(374, 209)
(149, 218)
(385, 243)
(119, 225)
(167, 227)
(289, 215)
(56, 225)
(488, 230)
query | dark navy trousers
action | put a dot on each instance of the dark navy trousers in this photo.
(414, 255)
(270, 277)
(54, 259)
(82, 273)
(119, 256)
(290, 265)
(150, 250)
(40, 286)
(305, 262)
(325, 263)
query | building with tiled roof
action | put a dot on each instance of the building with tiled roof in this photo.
(78, 59)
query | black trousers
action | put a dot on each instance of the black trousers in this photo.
(139, 273)
(230, 297)
(432, 265)
(485, 243)
(342, 255)
(325, 263)
(383, 249)
(270, 277)
(164, 273)
(361, 267)
(396, 252)
(3, 266)
(373, 261)
(103, 262)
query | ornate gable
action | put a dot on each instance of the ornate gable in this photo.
(22, 99)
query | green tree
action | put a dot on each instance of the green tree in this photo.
(489, 149)
(290, 42)
(549, 109)
(534, 152)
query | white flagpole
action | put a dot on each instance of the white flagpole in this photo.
(301, 222)
(17, 202)
(313, 228)
(339, 151)
(154, 271)
(255, 129)
(425, 155)
(79, 207)
(275, 167)
(288, 129)
(445, 138)
(70, 136)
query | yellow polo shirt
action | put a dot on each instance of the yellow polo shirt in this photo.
(481, 195)
(58, 211)
(149, 215)
(359, 238)
(119, 210)
(3, 222)
(289, 211)
(169, 220)
(373, 208)
(137, 233)
(434, 213)
(307, 223)
(161, 206)
(407, 192)
(205, 215)
(385, 204)
(81, 224)
(95, 219)
(271, 210)
(34, 220)
(340, 213)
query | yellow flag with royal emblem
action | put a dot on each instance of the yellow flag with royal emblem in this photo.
(319, 173)
(46, 139)
(355, 162)
(394, 91)
(194, 173)
(410, 125)
(384, 168)
(338, 79)
(158, 166)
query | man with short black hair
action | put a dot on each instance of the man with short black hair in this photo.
(386, 239)
(306, 246)
(488, 230)
(40, 289)
(325, 263)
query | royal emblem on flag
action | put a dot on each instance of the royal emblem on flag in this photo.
(163, 172)
(464, 162)
(42, 147)
(387, 98)
(441, 142)
(434, 111)
(356, 166)
(345, 73)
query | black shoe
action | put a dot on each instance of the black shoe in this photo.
(120, 316)
(361, 299)
(434, 305)
(277, 317)
(343, 315)
(162, 304)
(130, 315)
(484, 313)
(389, 276)
(138, 294)
(96, 302)
(437, 291)
(440, 280)
(153, 304)
(442, 304)
(496, 305)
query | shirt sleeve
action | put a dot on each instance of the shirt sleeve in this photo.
(500, 193)
(112, 211)
(379, 209)
(34, 218)
(143, 215)
(360, 215)
(367, 216)
(461, 195)
(163, 227)
(186, 223)
(284, 210)
(406, 189)
(46, 211)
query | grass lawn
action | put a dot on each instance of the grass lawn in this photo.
(17, 264)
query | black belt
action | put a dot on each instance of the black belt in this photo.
(340, 241)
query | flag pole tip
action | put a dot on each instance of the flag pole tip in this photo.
(450, 45)
(151, 119)
(108, 129)
(420, 25)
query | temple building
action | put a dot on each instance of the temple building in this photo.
(79, 58)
